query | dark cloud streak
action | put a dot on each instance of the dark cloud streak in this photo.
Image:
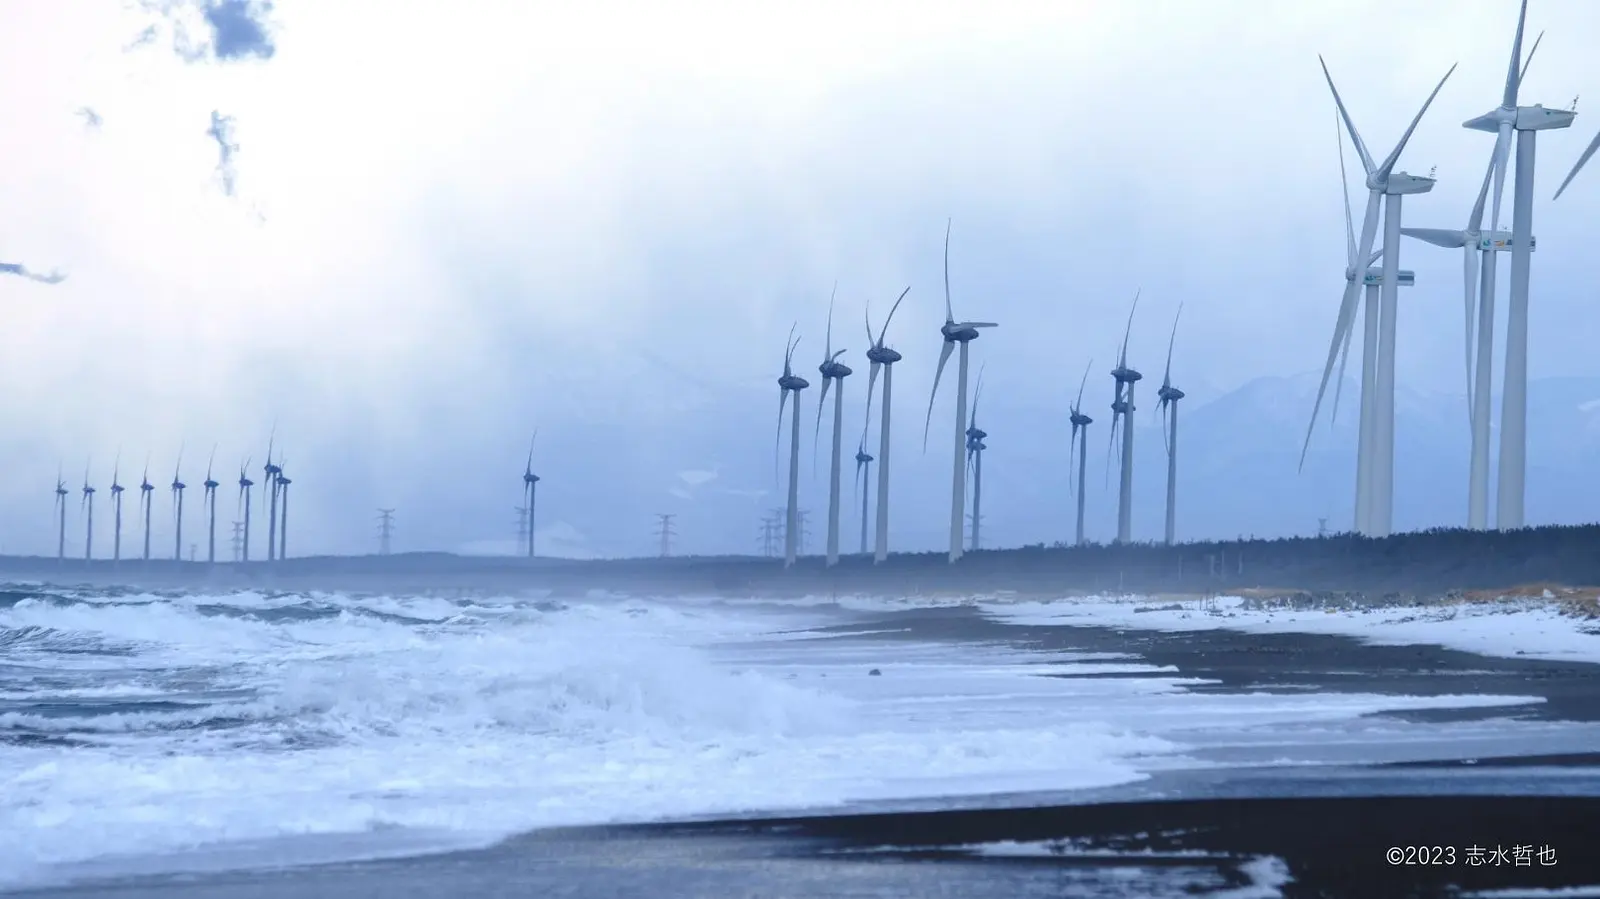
(91, 119)
(13, 268)
(221, 131)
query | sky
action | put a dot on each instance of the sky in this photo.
(400, 237)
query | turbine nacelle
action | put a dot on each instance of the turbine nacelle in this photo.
(1120, 407)
(837, 370)
(117, 488)
(1125, 375)
(1170, 394)
(179, 485)
(1404, 184)
(976, 434)
(1079, 420)
(962, 332)
(793, 382)
(882, 355)
(212, 485)
(1374, 277)
(283, 481)
(862, 457)
(1524, 118)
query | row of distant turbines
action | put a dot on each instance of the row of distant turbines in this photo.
(1480, 246)
(275, 484)
(969, 438)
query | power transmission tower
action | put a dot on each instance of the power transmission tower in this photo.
(805, 532)
(770, 529)
(385, 530)
(238, 541)
(665, 532)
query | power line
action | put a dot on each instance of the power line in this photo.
(385, 530)
(665, 532)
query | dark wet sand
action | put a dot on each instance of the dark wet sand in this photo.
(1331, 825)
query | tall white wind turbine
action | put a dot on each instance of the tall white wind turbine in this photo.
(1371, 279)
(88, 504)
(791, 383)
(1167, 408)
(1527, 122)
(882, 357)
(962, 333)
(1388, 186)
(832, 370)
(1122, 414)
(1078, 445)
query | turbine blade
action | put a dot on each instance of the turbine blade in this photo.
(1338, 386)
(1350, 126)
(1166, 441)
(1079, 403)
(1513, 69)
(788, 354)
(777, 440)
(1072, 455)
(944, 356)
(1469, 279)
(1529, 61)
(1439, 237)
(1123, 359)
(1475, 220)
(816, 435)
(1349, 224)
(949, 314)
(1347, 307)
(872, 380)
(1578, 166)
(977, 394)
(1166, 379)
(886, 321)
(1116, 421)
(1502, 154)
(827, 349)
(1394, 155)
(211, 460)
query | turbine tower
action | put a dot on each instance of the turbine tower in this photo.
(832, 370)
(954, 333)
(87, 503)
(863, 478)
(883, 358)
(269, 480)
(1168, 409)
(116, 510)
(244, 505)
(283, 518)
(178, 486)
(1388, 186)
(146, 501)
(1527, 122)
(975, 448)
(1078, 445)
(530, 487)
(790, 382)
(1122, 414)
(211, 486)
(61, 517)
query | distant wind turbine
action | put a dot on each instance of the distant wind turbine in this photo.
(882, 357)
(178, 486)
(244, 504)
(831, 370)
(791, 383)
(1078, 445)
(61, 517)
(1388, 186)
(269, 482)
(1122, 415)
(283, 513)
(975, 448)
(863, 480)
(530, 489)
(211, 486)
(962, 333)
(1168, 408)
(87, 503)
(146, 501)
(116, 509)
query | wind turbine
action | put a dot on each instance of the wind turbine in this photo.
(962, 333)
(1078, 444)
(1527, 122)
(146, 500)
(178, 486)
(211, 486)
(270, 483)
(1168, 409)
(975, 448)
(87, 503)
(1121, 414)
(244, 502)
(1386, 185)
(791, 382)
(530, 485)
(283, 519)
(881, 357)
(61, 517)
(116, 510)
(832, 370)
(863, 478)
